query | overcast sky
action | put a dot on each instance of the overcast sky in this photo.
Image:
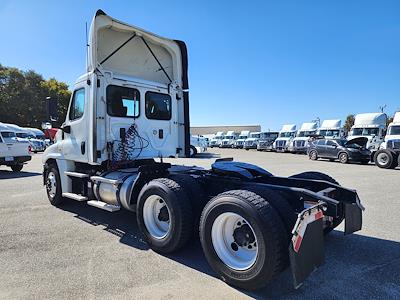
(250, 62)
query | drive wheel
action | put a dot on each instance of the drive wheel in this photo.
(385, 159)
(53, 186)
(313, 155)
(343, 158)
(193, 151)
(243, 238)
(164, 215)
(17, 168)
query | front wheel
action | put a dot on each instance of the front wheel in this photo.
(17, 168)
(53, 186)
(343, 158)
(193, 151)
(243, 238)
(313, 155)
(385, 159)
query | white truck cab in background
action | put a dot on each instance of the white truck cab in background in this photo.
(392, 137)
(239, 143)
(300, 142)
(229, 139)
(266, 141)
(331, 129)
(217, 139)
(371, 126)
(252, 141)
(13, 153)
(286, 135)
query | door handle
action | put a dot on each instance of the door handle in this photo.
(83, 148)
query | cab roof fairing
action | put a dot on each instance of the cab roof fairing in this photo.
(370, 120)
(288, 128)
(331, 124)
(107, 34)
(308, 127)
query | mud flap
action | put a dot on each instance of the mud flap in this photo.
(306, 250)
(353, 217)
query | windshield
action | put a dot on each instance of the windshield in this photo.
(329, 132)
(364, 131)
(269, 135)
(394, 130)
(8, 136)
(305, 133)
(286, 134)
(22, 135)
(255, 135)
(220, 137)
(228, 137)
(243, 137)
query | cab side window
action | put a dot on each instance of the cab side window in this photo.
(77, 105)
(158, 106)
(123, 101)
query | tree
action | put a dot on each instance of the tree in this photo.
(389, 120)
(348, 123)
(23, 97)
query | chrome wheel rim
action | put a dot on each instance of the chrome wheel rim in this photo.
(234, 241)
(383, 158)
(343, 157)
(156, 217)
(51, 184)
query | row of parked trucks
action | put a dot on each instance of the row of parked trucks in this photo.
(383, 142)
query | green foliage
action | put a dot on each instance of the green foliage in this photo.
(348, 123)
(389, 120)
(23, 97)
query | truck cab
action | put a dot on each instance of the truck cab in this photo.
(371, 126)
(286, 135)
(266, 140)
(198, 144)
(217, 139)
(252, 141)
(300, 142)
(13, 153)
(331, 129)
(239, 143)
(229, 139)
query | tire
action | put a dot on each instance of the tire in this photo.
(193, 151)
(176, 228)
(321, 176)
(196, 194)
(53, 186)
(385, 159)
(343, 158)
(261, 229)
(313, 155)
(17, 168)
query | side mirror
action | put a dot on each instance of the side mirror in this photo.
(66, 128)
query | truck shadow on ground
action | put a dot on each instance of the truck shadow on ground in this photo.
(355, 265)
(5, 174)
(206, 155)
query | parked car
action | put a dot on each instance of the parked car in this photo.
(24, 135)
(340, 149)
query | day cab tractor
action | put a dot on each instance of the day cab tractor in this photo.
(131, 110)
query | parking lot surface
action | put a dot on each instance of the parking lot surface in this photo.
(79, 251)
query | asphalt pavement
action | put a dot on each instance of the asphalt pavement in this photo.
(79, 251)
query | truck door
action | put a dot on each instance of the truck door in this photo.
(75, 128)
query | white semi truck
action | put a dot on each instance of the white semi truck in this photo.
(128, 112)
(286, 135)
(331, 129)
(217, 139)
(239, 143)
(388, 157)
(371, 126)
(13, 153)
(266, 140)
(252, 141)
(229, 139)
(300, 142)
